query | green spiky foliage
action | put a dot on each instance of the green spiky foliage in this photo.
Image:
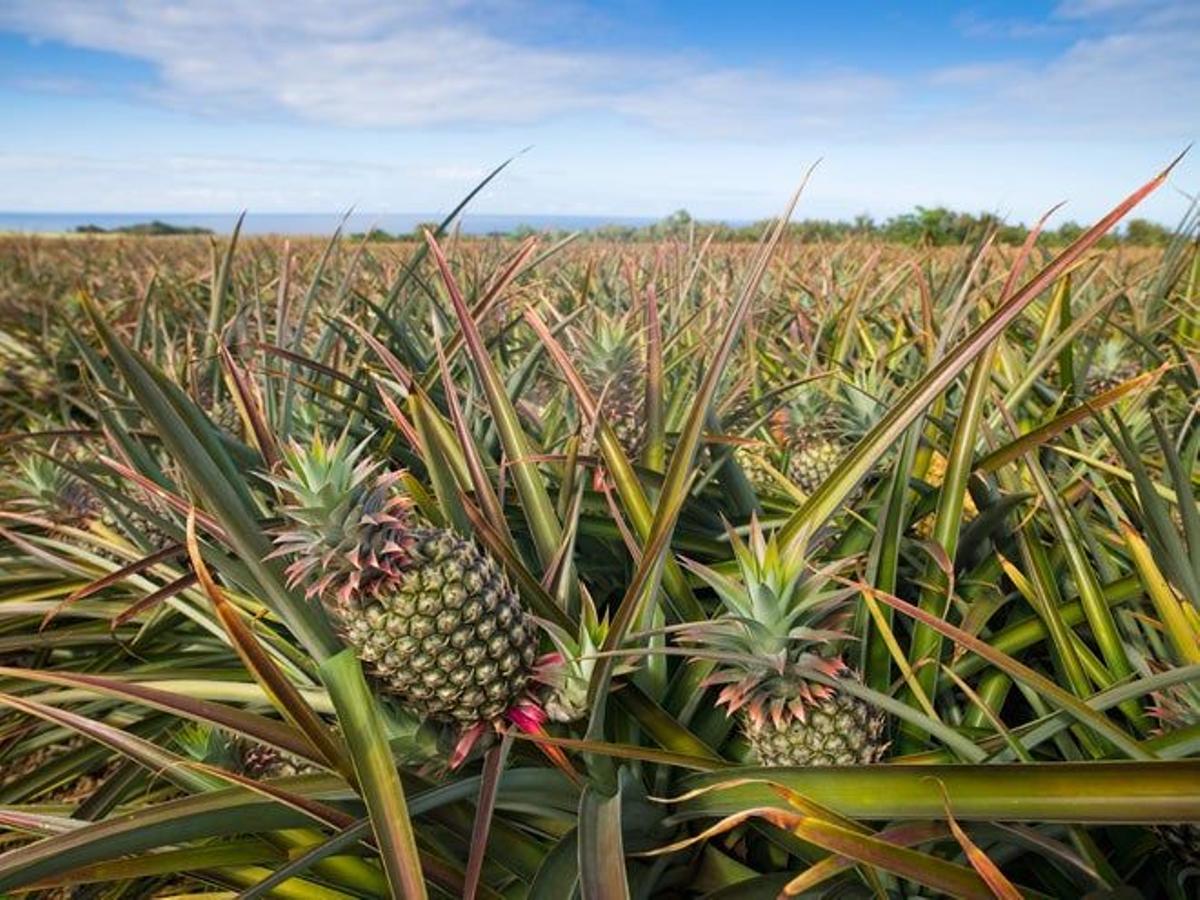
(49, 489)
(27, 380)
(610, 363)
(1176, 708)
(431, 614)
(775, 642)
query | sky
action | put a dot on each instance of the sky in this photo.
(626, 108)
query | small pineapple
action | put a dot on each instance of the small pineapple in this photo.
(935, 475)
(1113, 362)
(214, 747)
(434, 616)
(610, 367)
(823, 425)
(778, 628)
(221, 410)
(758, 466)
(49, 489)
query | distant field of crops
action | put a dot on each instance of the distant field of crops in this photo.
(550, 567)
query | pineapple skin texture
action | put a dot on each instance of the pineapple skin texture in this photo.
(813, 461)
(838, 731)
(449, 637)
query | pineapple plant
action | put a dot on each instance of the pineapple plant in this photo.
(432, 615)
(214, 747)
(42, 486)
(609, 365)
(49, 489)
(566, 672)
(779, 627)
(1112, 362)
(27, 379)
(1175, 708)
(822, 425)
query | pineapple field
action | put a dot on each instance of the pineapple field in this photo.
(563, 567)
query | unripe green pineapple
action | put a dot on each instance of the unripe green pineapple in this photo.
(214, 747)
(49, 489)
(759, 463)
(837, 731)
(609, 364)
(433, 616)
(824, 424)
(779, 629)
(222, 410)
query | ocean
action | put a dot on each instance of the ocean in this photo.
(305, 223)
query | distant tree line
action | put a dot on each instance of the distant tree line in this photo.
(924, 226)
(155, 228)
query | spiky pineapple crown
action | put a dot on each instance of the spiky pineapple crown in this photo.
(567, 672)
(1110, 355)
(209, 745)
(46, 487)
(347, 525)
(779, 625)
(608, 350)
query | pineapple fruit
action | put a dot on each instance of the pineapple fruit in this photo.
(50, 490)
(214, 747)
(823, 425)
(1113, 362)
(432, 615)
(609, 365)
(778, 628)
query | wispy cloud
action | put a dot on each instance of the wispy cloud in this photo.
(360, 63)
(408, 101)
(423, 63)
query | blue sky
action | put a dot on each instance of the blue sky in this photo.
(631, 108)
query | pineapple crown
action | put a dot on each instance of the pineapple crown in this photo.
(1110, 354)
(609, 349)
(208, 745)
(348, 527)
(1178, 705)
(48, 488)
(567, 671)
(779, 622)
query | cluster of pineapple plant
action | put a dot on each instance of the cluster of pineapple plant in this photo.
(434, 616)
(320, 578)
(778, 630)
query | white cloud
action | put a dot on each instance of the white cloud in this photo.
(423, 96)
(1130, 72)
(361, 63)
(424, 63)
